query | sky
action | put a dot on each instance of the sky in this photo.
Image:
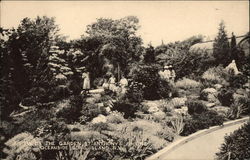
(166, 21)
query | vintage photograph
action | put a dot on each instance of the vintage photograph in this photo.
(124, 80)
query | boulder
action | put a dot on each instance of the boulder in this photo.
(160, 115)
(218, 86)
(99, 119)
(153, 109)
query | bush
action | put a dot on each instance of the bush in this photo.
(127, 108)
(236, 145)
(90, 111)
(72, 111)
(17, 147)
(214, 75)
(115, 117)
(201, 121)
(237, 81)
(225, 96)
(196, 107)
(149, 77)
(135, 92)
(165, 89)
(186, 84)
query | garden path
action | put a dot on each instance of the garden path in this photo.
(201, 148)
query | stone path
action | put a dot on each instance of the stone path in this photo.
(201, 148)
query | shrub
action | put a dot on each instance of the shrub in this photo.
(115, 117)
(196, 107)
(214, 75)
(165, 89)
(127, 108)
(186, 84)
(201, 121)
(237, 109)
(177, 124)
(225, 96)
(90, 111)
(149, 77)
(236, 145)
(237, 81)
(98, 82)
(71, 111)
(135, 92)
(17, 147)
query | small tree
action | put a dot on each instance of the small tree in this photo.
(221, 49)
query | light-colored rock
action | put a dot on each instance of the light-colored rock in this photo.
(218, 86)
(232, 68)
(99, 119)
(153, 109)
(209, 105)
(159, 115)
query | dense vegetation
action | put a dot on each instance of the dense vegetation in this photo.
(42, 103)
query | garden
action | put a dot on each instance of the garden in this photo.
(45, 114)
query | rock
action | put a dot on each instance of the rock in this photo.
(209, 94)
(160, 115)
(218, 86)
(151, 106)
(232, 68)
(90, 100)
(210, 105)
(153, 109)
(99, 119)
(96, 91)
(107, 109)
(100, 104)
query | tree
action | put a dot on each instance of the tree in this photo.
(221, 49)
(119, 44)
(149, 56)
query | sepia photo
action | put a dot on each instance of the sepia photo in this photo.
(124, 80)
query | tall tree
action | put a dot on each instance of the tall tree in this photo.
(221, 48)
(149, 56)
(119, 42)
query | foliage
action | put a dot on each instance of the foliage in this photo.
(225, 96)
(186, 83)
(177, 124)
(149, 56)
(214, 75)
(115, 117)
(72, 111)
(201, 121)
(165, 89)
(221, 49)
(23, 146)
(135, 92)
(127, 108)
(90, 111)
(236, 145)
(196, 107)
(149, 77)
(153, 86)
(237, 81)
